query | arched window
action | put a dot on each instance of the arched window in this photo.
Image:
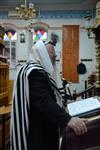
(10, 35)
(10, 38)
(40, 34)
(40, 31)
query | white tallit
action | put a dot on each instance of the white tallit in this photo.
(39, 54)
(40, 60)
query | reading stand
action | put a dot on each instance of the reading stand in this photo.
(90, 139)
(71, 141)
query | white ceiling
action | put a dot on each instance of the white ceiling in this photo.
(6, 5)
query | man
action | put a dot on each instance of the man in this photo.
(37, 113)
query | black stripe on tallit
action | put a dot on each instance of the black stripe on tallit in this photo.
(47, 74)
(19, 114)
(15, 127)
(20, 80)
(23, 78)
(14, 132)
(20, 109)
(50, 79)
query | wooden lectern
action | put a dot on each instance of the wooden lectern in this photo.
(70, 141)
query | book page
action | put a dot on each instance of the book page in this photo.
(83, 106)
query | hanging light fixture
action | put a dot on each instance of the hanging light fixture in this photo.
(27, 12)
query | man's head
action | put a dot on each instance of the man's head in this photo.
(51, 52)
(44, 55)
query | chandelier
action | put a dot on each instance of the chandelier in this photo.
(27, 12)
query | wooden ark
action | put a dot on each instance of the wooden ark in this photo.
(6, 86)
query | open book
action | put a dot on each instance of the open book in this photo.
(83, 107)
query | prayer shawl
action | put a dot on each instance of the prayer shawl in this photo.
(21, 105)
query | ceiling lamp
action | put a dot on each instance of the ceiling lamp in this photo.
(27, 12)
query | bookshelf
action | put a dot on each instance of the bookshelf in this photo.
(4, 84)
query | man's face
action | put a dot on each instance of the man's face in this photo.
(51, 52)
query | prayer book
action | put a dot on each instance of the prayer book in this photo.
(84, 107)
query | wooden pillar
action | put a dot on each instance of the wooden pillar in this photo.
(96, 31)
(97, 47)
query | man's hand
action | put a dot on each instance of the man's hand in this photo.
(78, 125)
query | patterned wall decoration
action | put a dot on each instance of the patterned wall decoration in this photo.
(57, 14)
(66, 14)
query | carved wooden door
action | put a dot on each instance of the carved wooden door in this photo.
(70, 52)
